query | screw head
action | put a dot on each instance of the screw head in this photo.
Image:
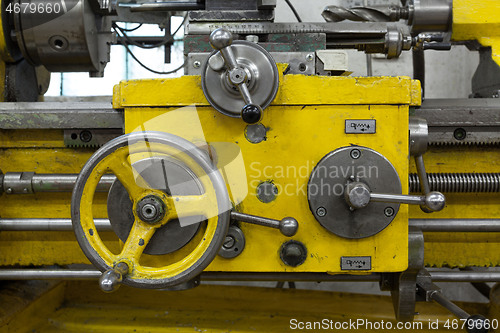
(355, 154)
(459, 134)
(9, 190)
(85, 136)
(321, 211)
(310, 57)
(389, 211)
(229, 242)
(196, 64)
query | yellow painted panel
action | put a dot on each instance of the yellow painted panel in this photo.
(298, 137)
(294, 90)
(478, 20)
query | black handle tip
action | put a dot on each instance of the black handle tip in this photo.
(251, 114)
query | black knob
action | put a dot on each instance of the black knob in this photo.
(251, 114)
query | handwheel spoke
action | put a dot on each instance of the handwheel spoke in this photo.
(137, 240)
(190, 205)
(128, 177)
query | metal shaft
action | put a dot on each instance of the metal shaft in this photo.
(30, 182)
(47, 225)
(398, 198)
(288, 226)
(458, 182)
(456, 225)
(450, 306)
(427, 225)
(163, 6)
(464, 276)
(422, 174)
(263, 221)
(442, 182)
(90, 274)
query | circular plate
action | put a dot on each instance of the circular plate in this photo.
(179, 181)
(263, 79)
(326, 189)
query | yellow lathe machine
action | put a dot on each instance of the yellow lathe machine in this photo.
(266, 161)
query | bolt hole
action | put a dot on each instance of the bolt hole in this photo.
(148, 211)
(235, 249)
(58, 43)
(74, 136)
(302, 67)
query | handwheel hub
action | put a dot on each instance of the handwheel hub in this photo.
(151, 209)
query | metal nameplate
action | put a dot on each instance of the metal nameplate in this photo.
(360, 126)
(356, 263)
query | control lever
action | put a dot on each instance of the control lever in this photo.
(111, 280)
(221, 39)
(288, 226)
(358, 195)
(428, 291)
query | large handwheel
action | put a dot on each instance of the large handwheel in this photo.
(152, 209)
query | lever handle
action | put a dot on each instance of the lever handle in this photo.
(111, 280)
(221, 39)
(358, 195)
(288, 226)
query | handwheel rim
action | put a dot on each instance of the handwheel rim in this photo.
(216, 227)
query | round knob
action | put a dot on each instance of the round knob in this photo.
(289, 226)
(435, 201)
(251, 113)
(111, 280)
(220, 38)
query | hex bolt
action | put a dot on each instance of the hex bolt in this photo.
(389, 211)
(355, 154)
(310, 57)
(196, 64)
(229, 242)
(321, 211)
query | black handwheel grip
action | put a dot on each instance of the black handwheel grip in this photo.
(251, 114)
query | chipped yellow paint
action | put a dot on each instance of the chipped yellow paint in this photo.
(294, 90)
(478, 20)
(298, 137)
